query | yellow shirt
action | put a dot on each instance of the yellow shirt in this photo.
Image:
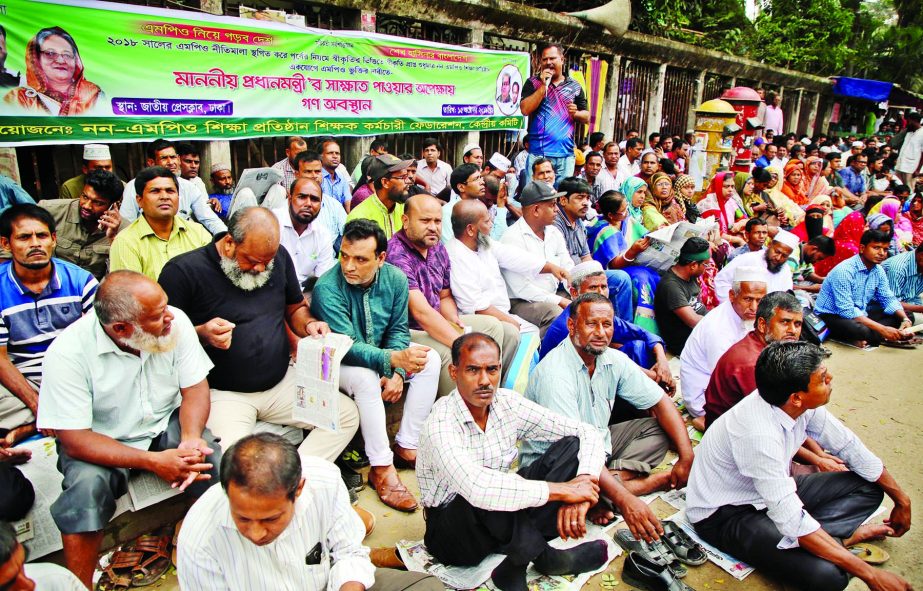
(138, 248)
(373, 209)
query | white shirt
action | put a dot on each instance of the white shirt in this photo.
(192, 202)
(476, 280)
(607, 182)
(628, 169)
(311, 251)
(724, 280)
(909, 157)
(711, 337)
(436, 179)
(89, 383)
(212, 555)
(51, 577)
(745, 459)
(553, 249)
(456, 457)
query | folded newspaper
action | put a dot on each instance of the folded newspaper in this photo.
(258, 180)
(317, 380)
(667, 242)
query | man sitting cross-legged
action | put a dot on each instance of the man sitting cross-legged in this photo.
(124, 389)
(583, 378)
(743, 499)
(474, 505)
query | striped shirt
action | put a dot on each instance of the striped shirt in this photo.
(29, 322)
(551, 126)
(456, 457)
(850, 287)
(212, 555)
(574, 236)
(745, 459)
(904, 277)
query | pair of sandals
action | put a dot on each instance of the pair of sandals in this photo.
(659, 565)
(137, 564)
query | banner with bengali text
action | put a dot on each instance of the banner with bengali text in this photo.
(97, 71)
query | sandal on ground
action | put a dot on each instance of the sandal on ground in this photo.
(869, 553)
(117, 575)
(687, 550)
(655, 552)
(641, 573)
(155, 559)
(898, 344)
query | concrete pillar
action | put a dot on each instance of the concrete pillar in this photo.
(367, 21)
(9, 164)
(823, 116)
(733, 81)
(610, 105)
(699, 95)
(216, 152)
(655, 108)
(793, 125)
(477, 38)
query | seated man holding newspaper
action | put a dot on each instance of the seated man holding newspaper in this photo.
(125, 389)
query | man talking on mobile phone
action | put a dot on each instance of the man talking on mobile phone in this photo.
(555, 103)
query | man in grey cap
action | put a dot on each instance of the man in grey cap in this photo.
(537, 298)
(386, 206)
(95, 157)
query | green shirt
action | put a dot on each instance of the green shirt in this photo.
(75, 244)
(72, 188)
(373, 209)
(138, 248)
(374, 317)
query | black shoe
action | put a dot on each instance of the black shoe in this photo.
(352, 479)
(353, 497)
(643, 574)
(354, 458)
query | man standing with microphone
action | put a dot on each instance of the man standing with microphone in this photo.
(554, 103)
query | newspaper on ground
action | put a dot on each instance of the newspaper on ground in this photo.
(736, 568)
(37, 531)
(667, 242)
(417, 559)
(317, 380)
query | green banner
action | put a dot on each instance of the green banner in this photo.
(97, 71)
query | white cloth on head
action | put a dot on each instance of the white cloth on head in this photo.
(709, 340)
(500, 162)
(96, 152)
(744, 274)
(212, 554)
(469, 148)
(724, 280)
(585, 268)
(787, 238)
(219, 166)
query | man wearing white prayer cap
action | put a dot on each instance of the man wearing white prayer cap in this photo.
(717, 331)
(95, 157)
(472, 154)
(771, 260)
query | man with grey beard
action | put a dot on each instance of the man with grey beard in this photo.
(125, 389)
(243, 296)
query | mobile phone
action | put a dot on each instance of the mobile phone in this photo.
(111, 207)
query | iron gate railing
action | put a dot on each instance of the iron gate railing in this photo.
(678, 95)
(636, 86)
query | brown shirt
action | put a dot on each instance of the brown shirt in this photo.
(89, 250)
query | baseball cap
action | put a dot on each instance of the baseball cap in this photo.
(385, 164)
(536, 192)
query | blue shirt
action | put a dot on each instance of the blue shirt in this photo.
(761, 162)
(551, 127)
(336, 187)
(852, 180)
(562, 383)
(622, 332)
(11, 193)
(904, 277)
(850, 287)
(225, 200)
(29, 321)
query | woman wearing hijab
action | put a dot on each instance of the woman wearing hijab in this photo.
(723, 204)
(743, 184)
(914, 217)
(882, 223)
(661, 208)
(635, 193)
(903, 231)
(793, 213)
(847, 236)
(54, 77)
(793, 182)
(816, 183)
(611, 246)
(813, 224)
(684, 191)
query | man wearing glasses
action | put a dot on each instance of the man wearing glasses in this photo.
(385, 207)
(852, 176)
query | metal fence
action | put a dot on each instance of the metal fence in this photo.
(715, 85)
(679, 90)
(636, 87)
(423, 30)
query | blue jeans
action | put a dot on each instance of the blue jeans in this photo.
(563, 167)
(620, 294)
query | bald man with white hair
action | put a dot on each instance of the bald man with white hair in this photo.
(715, 333)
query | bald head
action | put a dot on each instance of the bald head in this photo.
(256, 224)
(421, 203)
(465, 213)
(121, 296)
